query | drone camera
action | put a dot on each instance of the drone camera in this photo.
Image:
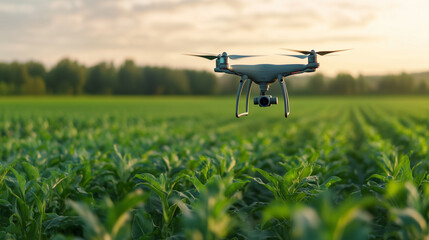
(265, 100)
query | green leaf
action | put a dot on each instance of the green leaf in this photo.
(270, 177)
(231, 189)
(5, 203)
(198, 185)
(405, 174)
(269, 186)
(331, 180)
(378, 176)
(276, 210)
(93, 225)
(31, 171)
(118, 215)
(152, 183)
(409, 218)
(307, 224)
(142, 225)
(21, 182)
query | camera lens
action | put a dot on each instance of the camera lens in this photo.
(264, 101)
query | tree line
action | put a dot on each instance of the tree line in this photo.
(72, 78)
(346, 84)
(68, 77)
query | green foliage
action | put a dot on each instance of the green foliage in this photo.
(397, 84)
(116, 224)
(320, 219)
(202, 83)
(130, 79)
(186, 168)
(36, 69)
(343, 84)
(101, 79)
(207, 216)
(316, 84)
(67, 77)
(34, 86)
(70, 77)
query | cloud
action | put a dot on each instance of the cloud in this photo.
(155, 30)
(16, 8)
(344, 20)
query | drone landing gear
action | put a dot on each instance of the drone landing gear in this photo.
(285, 95)
(243, 80)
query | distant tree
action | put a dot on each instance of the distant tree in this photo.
(5, 73)
(34, 83)
(101, 79)
(175, 82)
(387, 85)
(163, 80)
(34, 86)
(202, 82)
(396, 84)
(406, 83)
(130, 79)
(316, 84)
(35, 69)
(4, 88)
(67, 77)
(15, 79)
(18, 76)
(362, 85)
(344, 83)
(153, 75)
(422, 88)
(228, 84)
(6, 84)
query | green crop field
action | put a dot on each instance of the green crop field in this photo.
(186, 168)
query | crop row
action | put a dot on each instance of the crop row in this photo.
(338, 169)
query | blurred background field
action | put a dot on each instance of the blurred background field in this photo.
(186, 168)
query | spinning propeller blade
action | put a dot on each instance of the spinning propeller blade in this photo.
(299, 51)
(206, 56)
(293, 55)
(213, 56)
(321, 53)
(242, 56)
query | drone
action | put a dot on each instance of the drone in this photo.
(264, 75)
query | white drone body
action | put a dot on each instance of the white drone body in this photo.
(264, 75)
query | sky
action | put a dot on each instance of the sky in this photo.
(386, 36)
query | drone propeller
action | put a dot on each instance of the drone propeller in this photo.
(213, 56)
(293, 55)
(242, 56)
(306, 53)
(323, 53)
(206, 56)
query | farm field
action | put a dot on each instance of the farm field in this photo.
(186, 168)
